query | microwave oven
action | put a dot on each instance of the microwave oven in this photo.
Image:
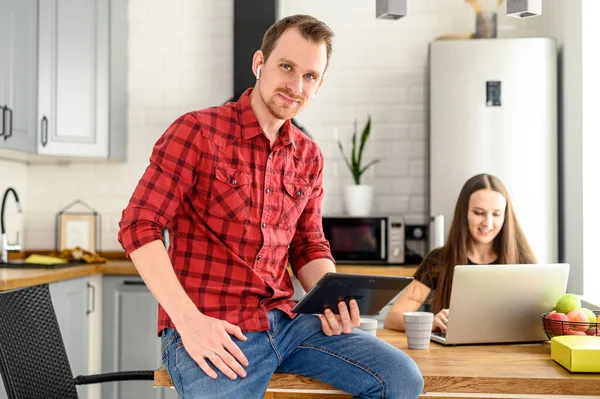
(365, 239)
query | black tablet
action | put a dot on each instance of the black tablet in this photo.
(371, 292)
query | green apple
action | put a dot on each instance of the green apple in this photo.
(568, 302)
(591, 315)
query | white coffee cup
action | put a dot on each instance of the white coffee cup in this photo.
(368, 325)
(418, 329)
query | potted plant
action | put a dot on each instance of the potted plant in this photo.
(358, 197)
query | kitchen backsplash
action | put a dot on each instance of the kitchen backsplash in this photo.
(181, 59)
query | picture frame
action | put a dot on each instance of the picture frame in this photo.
(78, 230)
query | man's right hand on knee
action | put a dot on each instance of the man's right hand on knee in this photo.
(206, 338)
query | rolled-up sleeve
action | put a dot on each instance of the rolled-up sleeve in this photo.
(163, 186)
(309, 242)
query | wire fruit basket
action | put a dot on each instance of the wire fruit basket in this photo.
(554, 328)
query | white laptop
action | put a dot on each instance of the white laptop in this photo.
(502, 303)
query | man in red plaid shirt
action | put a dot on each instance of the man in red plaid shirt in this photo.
(240, 190)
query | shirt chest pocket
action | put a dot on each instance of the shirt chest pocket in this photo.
(295, 196)
(231, 194)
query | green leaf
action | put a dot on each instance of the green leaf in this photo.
(369, 165)
(356, 176)
(357, 151)
(355, 164)
(363, 140)
(344, 155)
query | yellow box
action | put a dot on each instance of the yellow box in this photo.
(576, 353)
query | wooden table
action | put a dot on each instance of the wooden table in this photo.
(405, 270)
(474, 371)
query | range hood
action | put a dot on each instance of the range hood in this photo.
(251, 20)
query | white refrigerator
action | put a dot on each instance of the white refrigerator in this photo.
(493, 109)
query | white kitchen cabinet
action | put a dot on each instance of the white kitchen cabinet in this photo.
(82, 86)
(129, 339)
(18, 74)
(75, 304)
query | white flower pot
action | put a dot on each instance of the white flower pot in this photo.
(358, 199)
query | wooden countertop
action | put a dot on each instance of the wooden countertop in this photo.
(120, 267)
(405, 271)
(14, 278)
(516, 369)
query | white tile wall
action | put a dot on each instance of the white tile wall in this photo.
(379, 67)
(14, 174)
(181, 59)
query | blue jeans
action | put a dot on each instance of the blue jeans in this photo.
(356, 363)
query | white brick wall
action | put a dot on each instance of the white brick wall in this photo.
(181, 59)
(380, 67)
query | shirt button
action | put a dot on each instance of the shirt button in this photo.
(298, 193)
(267, 191)
(233, 181)
(259, 257)
(264, 225)
(270, 156)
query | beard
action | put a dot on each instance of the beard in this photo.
(281, 110)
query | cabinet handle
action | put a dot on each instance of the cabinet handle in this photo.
(93, 289)
(10, 124)
(3, 119)
(133, 282)
(44, 131)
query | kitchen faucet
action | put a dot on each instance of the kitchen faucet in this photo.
(5, 245)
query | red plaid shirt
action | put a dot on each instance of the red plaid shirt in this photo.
(237, 211)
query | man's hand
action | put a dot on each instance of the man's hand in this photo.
(208, 338)
(441, 320)
(343, 323)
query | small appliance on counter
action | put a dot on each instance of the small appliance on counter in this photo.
(366, 239)
(436, 232)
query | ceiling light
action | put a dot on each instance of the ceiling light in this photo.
(523, 8)
(391, 9)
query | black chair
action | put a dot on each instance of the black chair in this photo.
(33, 359)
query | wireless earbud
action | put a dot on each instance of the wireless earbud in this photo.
(258, 72)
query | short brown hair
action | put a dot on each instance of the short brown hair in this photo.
(310, 28)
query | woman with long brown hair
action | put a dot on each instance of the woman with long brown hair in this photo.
(484, 231)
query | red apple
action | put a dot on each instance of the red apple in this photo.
(555, 323)
(593, 331)
(573, 332)
(579, 321)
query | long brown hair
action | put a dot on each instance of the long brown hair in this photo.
(309, 27)
(510, 244)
